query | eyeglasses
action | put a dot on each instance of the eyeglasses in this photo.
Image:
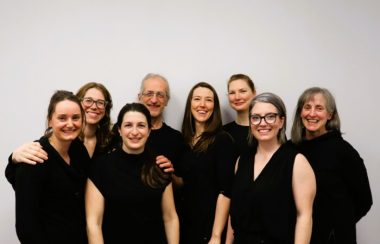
(150, 94)
(88, 101)
(269, 118)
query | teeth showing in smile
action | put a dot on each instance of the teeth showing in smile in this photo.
(312, 120)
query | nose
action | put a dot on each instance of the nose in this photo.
(312, 112)
(134, 130)
(93, 105)
(262, 120)
(237, 95)
(154, 98)
(69, 123)
(202, 103)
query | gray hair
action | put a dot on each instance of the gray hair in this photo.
(298, 128)
(154, 75)
(277, 102)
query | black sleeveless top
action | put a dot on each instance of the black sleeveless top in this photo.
(265, 206)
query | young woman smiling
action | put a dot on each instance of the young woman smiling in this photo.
(241, 91)
(128, 197)
(206, 168)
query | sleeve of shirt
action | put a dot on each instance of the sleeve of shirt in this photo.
(10, 171)
(226, 155)
(29, 184)
(355, 175)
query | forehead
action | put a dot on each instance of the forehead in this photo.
(317, 98)
(238, 84)
(134, 116)
(94, 93)
(203, 92)
(155, 84)
(263, 108)
(67, 107)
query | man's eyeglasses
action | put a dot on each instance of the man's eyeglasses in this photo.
(151, 94)
(269, 118)
(88, 101)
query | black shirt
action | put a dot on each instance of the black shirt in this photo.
(264, 206)
(343, 192)
(50, 197)
(132, 212)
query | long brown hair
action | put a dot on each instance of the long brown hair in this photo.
(213, 124)
(103, 133)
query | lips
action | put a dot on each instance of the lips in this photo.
(238, 103)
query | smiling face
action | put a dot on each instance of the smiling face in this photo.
(314, 116)
(93, 113)
(66, 121)
(154, 96)
(265, 131)
(134, 131)
(202, 105)
(240, 95)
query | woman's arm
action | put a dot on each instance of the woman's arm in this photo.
(230, 232)
(356, 179)
(30, 153)
(221, 215)
(304, 188)
(29, 188)
(94, 213)
(170, 216)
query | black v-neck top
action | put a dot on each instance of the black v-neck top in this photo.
(50, 197)
(265, 205)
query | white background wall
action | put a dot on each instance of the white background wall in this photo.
(286, 46)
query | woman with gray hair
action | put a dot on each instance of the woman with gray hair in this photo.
(274, 186)
(344, 194)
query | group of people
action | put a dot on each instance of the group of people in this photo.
(141, 181)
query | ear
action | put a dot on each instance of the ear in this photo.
(329, 116)
(118, 129)
(282, 122)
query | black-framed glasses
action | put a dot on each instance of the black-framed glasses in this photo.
(269, 118)
(88, 101)
(150, 94)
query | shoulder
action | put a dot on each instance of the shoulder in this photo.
(223, 137)
(229, 126)
(171, 130)
(341, 145)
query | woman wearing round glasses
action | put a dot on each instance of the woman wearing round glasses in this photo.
(274, 185)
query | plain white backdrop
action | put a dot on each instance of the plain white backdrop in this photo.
(285, 46)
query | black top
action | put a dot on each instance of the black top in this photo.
(240, 134)
(168, 142)
(132, 209)
(343, 191)
(49, 197)
(205, 176)
(264, 206)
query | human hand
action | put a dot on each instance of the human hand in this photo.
(165, 164)
(30, 153)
